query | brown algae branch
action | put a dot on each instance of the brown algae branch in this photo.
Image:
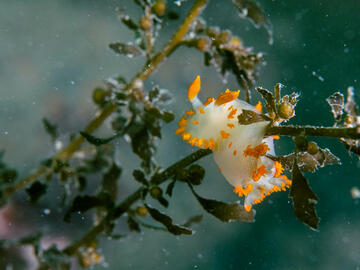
(66, 153)
(352, 133)
(132, 198)
(332, 132)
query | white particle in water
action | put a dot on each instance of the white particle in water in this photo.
(321, 79)
(46, 211)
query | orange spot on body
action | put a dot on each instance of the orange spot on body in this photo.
(288, 182)
(186, 136)
(211, 144)
(235, 152)
(243, 191)
(195, 122)
(182, 122)
(230, 144)
(258, 106)
(239, 191)
(276, 137)
(220, 170)
(193, 141)
(194, 88)
(247, 208)
(230, 108)
(256, 152)
(201, 110)
(224, 134)
(206, 144)
(232, 113)
(200, 142)
(191, 112)
(226, 97)
(278, 169)
(180, 130)
(261, 171)
(230, 125)
(208, 101)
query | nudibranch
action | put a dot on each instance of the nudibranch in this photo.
(239, 150)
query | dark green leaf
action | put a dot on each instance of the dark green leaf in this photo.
(170, 188)
(167, 222)
(133, 225)
(163, 201)
(50, 129)
(141, 146)
(251, 10)
(86, 202)
(172, 15)
(167, 117)
(269, 99)
(336, 102)
(117, 236)
(95, 140)
(81, 182)
(140, 177)
(7, 176)
(153, 94)
(125, 18)
(304, 199)
(195, 174)
(109, 181)
(36, 190)
(207, 59)
(151, 118)
(118, 124)
(129, 50)
(224, 211)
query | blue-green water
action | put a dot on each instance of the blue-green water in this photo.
(53, 53)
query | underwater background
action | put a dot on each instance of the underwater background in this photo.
(53, 54)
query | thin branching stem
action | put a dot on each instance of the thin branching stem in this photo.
(135, 196)
(66, 153)
(332, 132)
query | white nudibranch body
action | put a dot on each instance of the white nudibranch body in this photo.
(238, 149)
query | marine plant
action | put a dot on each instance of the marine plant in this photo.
(240, 134)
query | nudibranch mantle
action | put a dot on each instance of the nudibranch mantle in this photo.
(239, 150)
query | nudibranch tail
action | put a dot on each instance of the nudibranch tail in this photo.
(239, 150)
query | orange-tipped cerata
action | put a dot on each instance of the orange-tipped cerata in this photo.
(226, 97)
(194, 88)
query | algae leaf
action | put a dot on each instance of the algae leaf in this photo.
(304, 199)
(226, 212)
(167, 222)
